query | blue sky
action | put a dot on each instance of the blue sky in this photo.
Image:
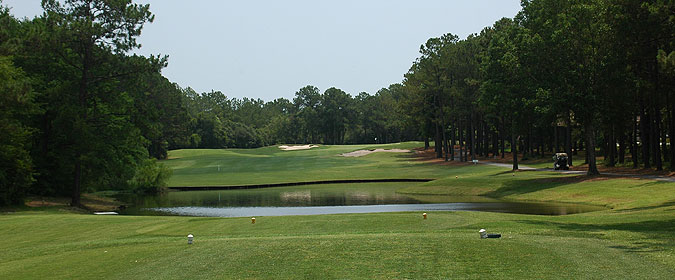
(270, 49)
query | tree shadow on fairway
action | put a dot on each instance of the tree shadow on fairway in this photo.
(517, 187)
(659, 233)
(662, 205)
(428, 158)
(502, 173)
(407, 157)
(640, 247)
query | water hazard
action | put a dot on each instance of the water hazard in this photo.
(327, 199)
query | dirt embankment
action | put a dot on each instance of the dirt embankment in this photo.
(361, 153)
(297, 147)
(89, 201)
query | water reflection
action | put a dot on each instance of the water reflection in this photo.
(327, 199)
(519, 208)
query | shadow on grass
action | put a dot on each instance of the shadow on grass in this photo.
(640, 247)
(659, 231)
(430, 162)
(663, 205)
(517, 187)
(407, 157)
(502, 173)
(429, 158)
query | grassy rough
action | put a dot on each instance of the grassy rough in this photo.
(634, 239)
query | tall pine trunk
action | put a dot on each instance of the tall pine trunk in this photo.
(664, 132)
(672, 135)
(514, 145)
(656, 136)
(445, 139)
(437, 142)
(495, 144)
(472, 135)
(589, 128)
(445, 142)
(633, 144)
(486, 139)
(502, 136)
(461, 141)
(622, 145)
(467, 144)
(555, 139)
(526, 144)
(644, 136)
(611, 147)
(452, 139)
(83, 103)
(540, 144)
(77, 187)
(568, 139)
(664, 136)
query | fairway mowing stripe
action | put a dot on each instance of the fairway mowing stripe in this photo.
(339, 236)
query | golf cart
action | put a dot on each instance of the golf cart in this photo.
(560, 161)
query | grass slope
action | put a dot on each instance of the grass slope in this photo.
(634, 239)
(272, 165)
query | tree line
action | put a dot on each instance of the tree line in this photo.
(561, 76)
(79, 112)
(331, 117)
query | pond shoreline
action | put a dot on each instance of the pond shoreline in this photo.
(260, 186)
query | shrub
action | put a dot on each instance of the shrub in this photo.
(151, 177)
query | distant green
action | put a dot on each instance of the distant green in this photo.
(222, 167)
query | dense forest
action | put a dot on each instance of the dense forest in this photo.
(79, 112)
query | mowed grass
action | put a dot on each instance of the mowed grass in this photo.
(388, 245)
(633, 239)
(273, 165)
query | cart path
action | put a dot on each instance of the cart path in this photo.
(527, 168)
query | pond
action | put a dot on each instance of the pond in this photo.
(327, 199)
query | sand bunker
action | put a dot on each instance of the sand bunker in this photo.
(295, 148)
(361, 153)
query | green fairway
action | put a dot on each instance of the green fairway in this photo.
(273, 165)
(634, 238)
